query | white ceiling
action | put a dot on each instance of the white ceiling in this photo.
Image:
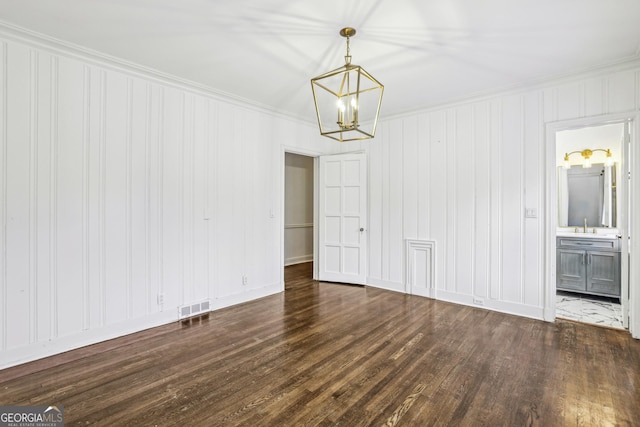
(426, 53)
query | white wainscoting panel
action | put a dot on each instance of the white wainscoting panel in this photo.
(124, 196)
(462, 175)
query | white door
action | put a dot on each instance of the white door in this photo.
(341, 217)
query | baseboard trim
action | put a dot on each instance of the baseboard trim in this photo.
(386, 284)
(40, 350)
(250, 295)
(298, 260)
(522, 310)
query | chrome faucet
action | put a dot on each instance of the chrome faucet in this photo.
(585, 224)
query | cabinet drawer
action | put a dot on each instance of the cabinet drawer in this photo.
(588, 244)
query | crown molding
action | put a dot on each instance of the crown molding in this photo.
(629, 63)
(67, 49)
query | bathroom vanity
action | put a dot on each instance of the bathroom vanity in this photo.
(588, 263)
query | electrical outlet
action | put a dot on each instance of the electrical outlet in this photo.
(160, 299)
(478, 301)
(530, 213)
(245, 280)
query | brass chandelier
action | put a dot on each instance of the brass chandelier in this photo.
(347, 100)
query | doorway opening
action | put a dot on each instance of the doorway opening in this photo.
(299, 175)
(592, 223)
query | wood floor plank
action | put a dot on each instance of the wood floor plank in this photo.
(324, 354)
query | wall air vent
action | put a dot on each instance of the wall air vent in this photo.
(194, 309)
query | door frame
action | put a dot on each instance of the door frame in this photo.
(316, 195)
(315, 155)
(629, 275)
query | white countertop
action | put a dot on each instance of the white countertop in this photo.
(586, 235)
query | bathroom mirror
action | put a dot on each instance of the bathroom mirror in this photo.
(587, 194)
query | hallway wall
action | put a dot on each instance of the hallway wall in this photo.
(298, 209)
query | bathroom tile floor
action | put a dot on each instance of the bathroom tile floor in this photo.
(589, 309)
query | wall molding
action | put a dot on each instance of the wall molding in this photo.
(124, 177)
(129, 196)
(3, 193)
(148, 102)
(53, 201)
(622, 65)
(102, 166)
(500, 261)
(86, 160)
(71, 50)
(386, 285)
(508, 307)
(43, 349)
(289, 226)
(56, 46)
(160, 201)
(230, 300)
(298, 259)
(33, 193)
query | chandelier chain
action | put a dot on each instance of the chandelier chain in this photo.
(347, 57)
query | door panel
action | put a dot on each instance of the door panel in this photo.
(342, 216)
(603, 272)
(571, 274)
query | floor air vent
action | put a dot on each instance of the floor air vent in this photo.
(195, 309)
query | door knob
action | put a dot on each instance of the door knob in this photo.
(361, 229)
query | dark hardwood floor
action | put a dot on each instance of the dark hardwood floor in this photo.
(330, 354)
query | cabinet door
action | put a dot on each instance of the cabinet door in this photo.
(571, 269)
(603, 273)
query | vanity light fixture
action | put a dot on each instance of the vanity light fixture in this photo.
(586, 154)
(347, 100)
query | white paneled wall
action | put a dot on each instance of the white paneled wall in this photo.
(463, 175)
(125, 197)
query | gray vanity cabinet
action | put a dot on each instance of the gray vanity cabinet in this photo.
(589, 266)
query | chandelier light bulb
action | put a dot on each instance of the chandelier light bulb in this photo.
(609, 160)
(341, 109)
